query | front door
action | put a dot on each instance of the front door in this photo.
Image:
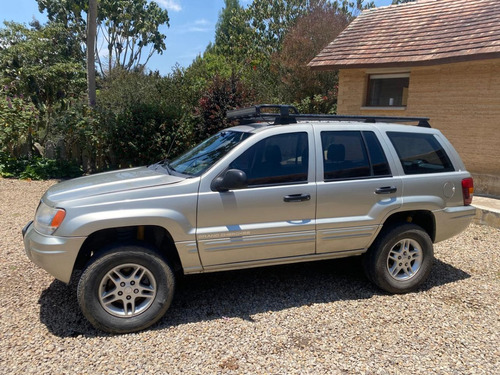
(274, 217)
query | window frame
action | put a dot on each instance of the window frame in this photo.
(385, 76)
(407, 162)
(368, 151)
(298, 133)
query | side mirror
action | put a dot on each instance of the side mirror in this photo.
(232, 179)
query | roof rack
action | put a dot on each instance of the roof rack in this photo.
(289, 114)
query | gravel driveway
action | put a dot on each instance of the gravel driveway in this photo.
(314, 318)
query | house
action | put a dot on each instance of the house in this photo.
(432, 58)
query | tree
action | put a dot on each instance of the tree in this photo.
(231, 31)
(253, 40)
(66, 12)
(138, 117)
(91, 38)
(252, 35)
(222, 95)
(17, 121)
(130, 29)
(129, 26)
(271, 20)
(310, 34)
(44, 65)
(394, 2)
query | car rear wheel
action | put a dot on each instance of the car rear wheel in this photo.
(400, 259)
(126, 289)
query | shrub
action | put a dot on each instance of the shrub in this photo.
(318, 104)
(222, 95)
(37, 168)
(17, 122)
(139, 122)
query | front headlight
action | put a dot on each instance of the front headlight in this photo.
(48, 219)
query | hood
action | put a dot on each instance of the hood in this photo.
(108, 182)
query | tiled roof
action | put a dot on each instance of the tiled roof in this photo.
(423, 33)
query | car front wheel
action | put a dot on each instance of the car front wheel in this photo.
(400, 259)
(126, 289)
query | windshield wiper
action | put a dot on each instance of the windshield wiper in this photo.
(163, 164)
(166, 164)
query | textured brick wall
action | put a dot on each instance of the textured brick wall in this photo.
(461, 99)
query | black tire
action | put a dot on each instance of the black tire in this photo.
(126, 289)
(400, 259)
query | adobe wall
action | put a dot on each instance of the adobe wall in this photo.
(461, 99)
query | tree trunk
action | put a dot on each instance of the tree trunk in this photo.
(91, 39)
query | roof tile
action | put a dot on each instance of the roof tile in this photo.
(430, 32)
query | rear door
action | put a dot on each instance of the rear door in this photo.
(356, 189)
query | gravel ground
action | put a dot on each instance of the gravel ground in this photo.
(314, 318)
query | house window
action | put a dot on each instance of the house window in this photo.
(388, 90)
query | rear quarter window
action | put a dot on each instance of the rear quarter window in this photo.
(420, 153)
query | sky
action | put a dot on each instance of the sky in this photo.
(192, 27)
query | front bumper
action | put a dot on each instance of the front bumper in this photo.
(56, 255)
(25, 229)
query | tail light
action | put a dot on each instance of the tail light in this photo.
(467, 190)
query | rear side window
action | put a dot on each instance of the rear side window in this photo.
(352, 154)
(420, 153)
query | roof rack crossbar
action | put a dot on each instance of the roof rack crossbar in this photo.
(289, 114)
(286, 114)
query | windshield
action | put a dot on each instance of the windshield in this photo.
(197, 160)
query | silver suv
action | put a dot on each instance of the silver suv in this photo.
(278, 188)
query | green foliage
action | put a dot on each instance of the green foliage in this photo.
(199, 75)
(43, 169)
(129, 27)
(222, 95)
(37, 168)
(67, 12)
(43, 65)
(318, 104)
(140, 121)
(258, 31)
(232, 31)
(17, 121)
(46, 63)
(80, 134)
(271, 19)
(269, 44)
(310, 34)
(394, 2)
(259, 56)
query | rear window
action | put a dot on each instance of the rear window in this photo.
(420, 153)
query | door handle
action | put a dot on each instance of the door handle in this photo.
(297, 198)
(386, 190)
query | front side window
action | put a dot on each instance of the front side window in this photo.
(420, 153)
(279, 159)
(388, 90)
(353, 154)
